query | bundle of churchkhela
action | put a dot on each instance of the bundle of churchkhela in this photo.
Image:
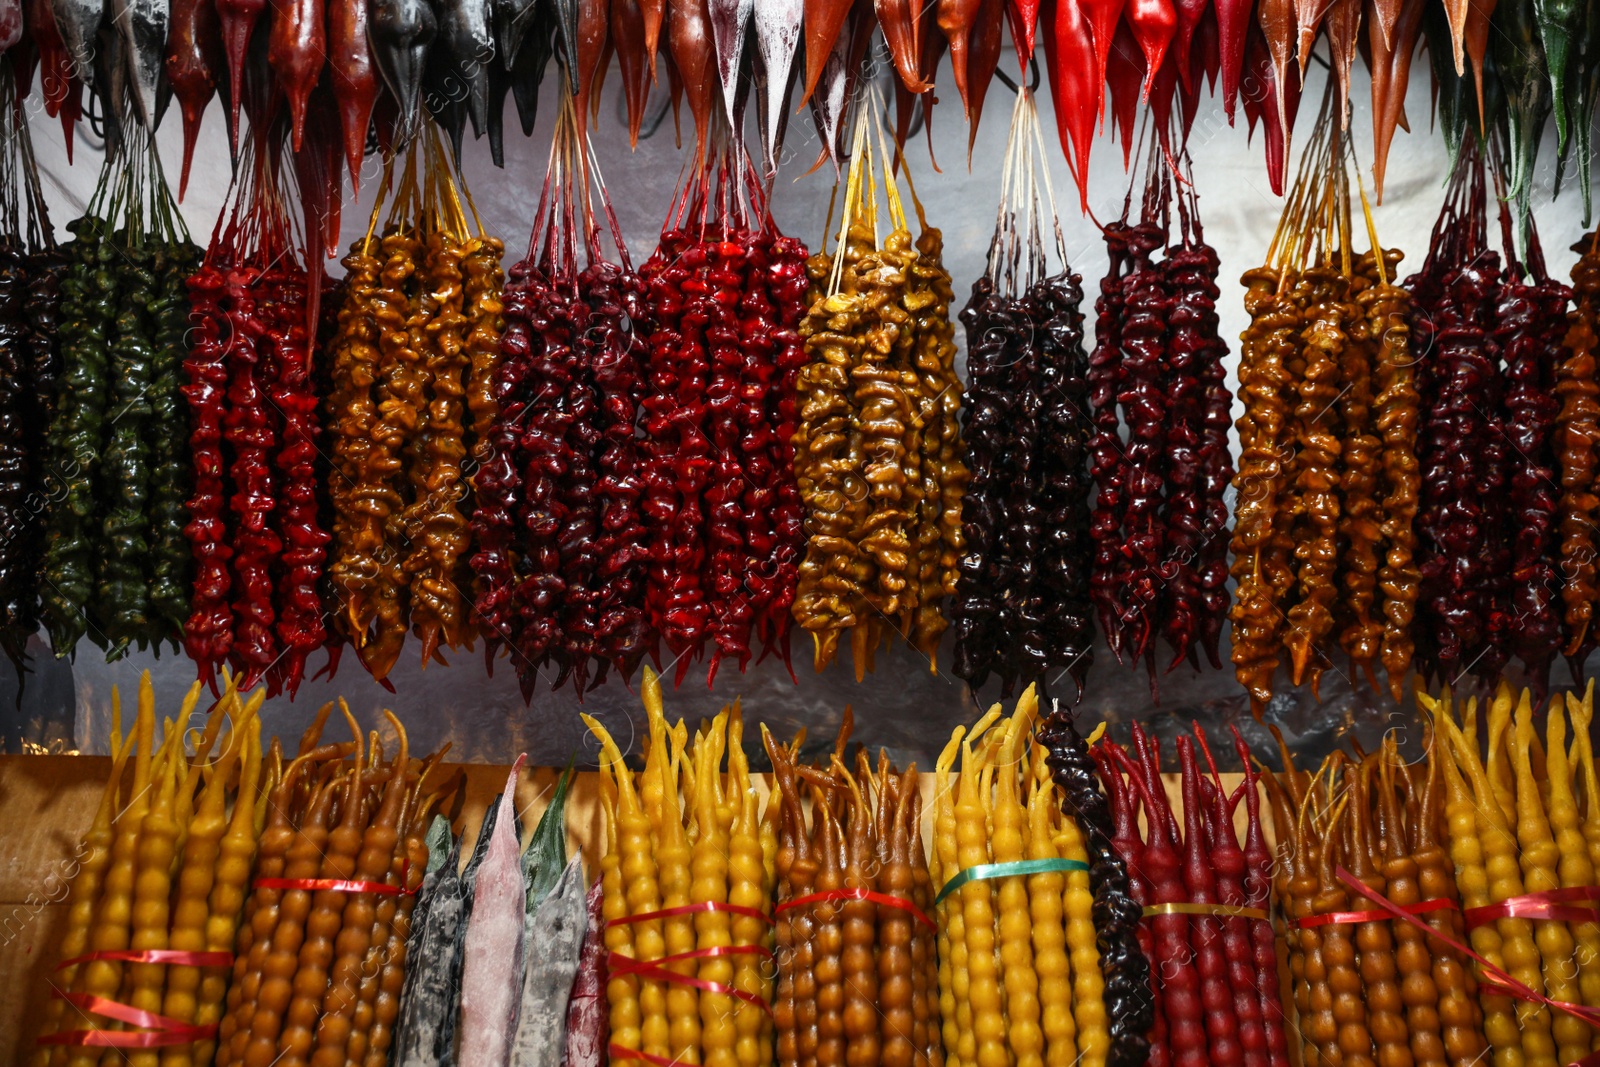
(688, 881)
(321, 957)
(255, 525)
(1021, 607)
(721, 508)
(162, 878)
(482, 989)
(1578, 448)
(1036, 953)
(557, 568)
(877, 452)
(1159, 520)
(1207, 930)
(31, 271)
(416, 345)
(115, 562)
(857, 974)
(1522, 819)
(1323, 548)
(1501, 430)
(1375, 983)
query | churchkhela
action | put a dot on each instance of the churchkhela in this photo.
(255, 527)
(1156, 368)
(1323, 546)
(1021, 607)
(878, 446)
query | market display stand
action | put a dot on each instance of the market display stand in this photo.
(47, 802)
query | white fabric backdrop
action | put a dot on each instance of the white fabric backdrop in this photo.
(906, 705)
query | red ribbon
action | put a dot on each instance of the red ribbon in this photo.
(618, 965)
(1333, 918)
(859, 894)
(1495, 978)
(158, 1030)
(1558, 905)
(617, 1052)
(335, 885)
(169, 956)
(693, 909)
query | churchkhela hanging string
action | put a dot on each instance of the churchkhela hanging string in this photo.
(1156, 367)
(256, 503)
(1323, 544)
(877, 449)
(1021, 606)
(419, 307)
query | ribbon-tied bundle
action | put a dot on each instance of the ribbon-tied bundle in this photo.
(856, 973)
(162, 877)
(1203, 897)
(1374, 983)
(320, 959)
(1523, 826)
(688, 880)
(1036, 949)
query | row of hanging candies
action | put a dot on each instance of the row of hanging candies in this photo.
(721, 523)
(1417, 474)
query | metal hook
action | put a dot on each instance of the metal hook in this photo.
(1033, 79)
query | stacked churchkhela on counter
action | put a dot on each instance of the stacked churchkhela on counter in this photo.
(1063, 902)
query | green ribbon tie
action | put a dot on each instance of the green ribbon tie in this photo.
(983, 872)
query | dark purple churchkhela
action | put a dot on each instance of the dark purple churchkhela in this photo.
(1129, 1009)
(1021, 609)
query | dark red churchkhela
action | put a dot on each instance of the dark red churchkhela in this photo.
(1492, 447)
(255, 524)
(1160, 518)
(721, 510)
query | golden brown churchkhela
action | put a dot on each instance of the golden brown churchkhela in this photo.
(855, 987)
(877, 449)
(308, 988)
(1327, 483)
(1577, 385)
(415, 346)
(1373, 992)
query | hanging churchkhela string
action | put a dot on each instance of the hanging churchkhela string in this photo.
(1021, 608)
(115, 567)
(1328, 480)
(414, 334)
(722, 511)
(1159, 517)
(32, 268)
(255, 517)
(558, 567)
(877, 451)
(1501, 445)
